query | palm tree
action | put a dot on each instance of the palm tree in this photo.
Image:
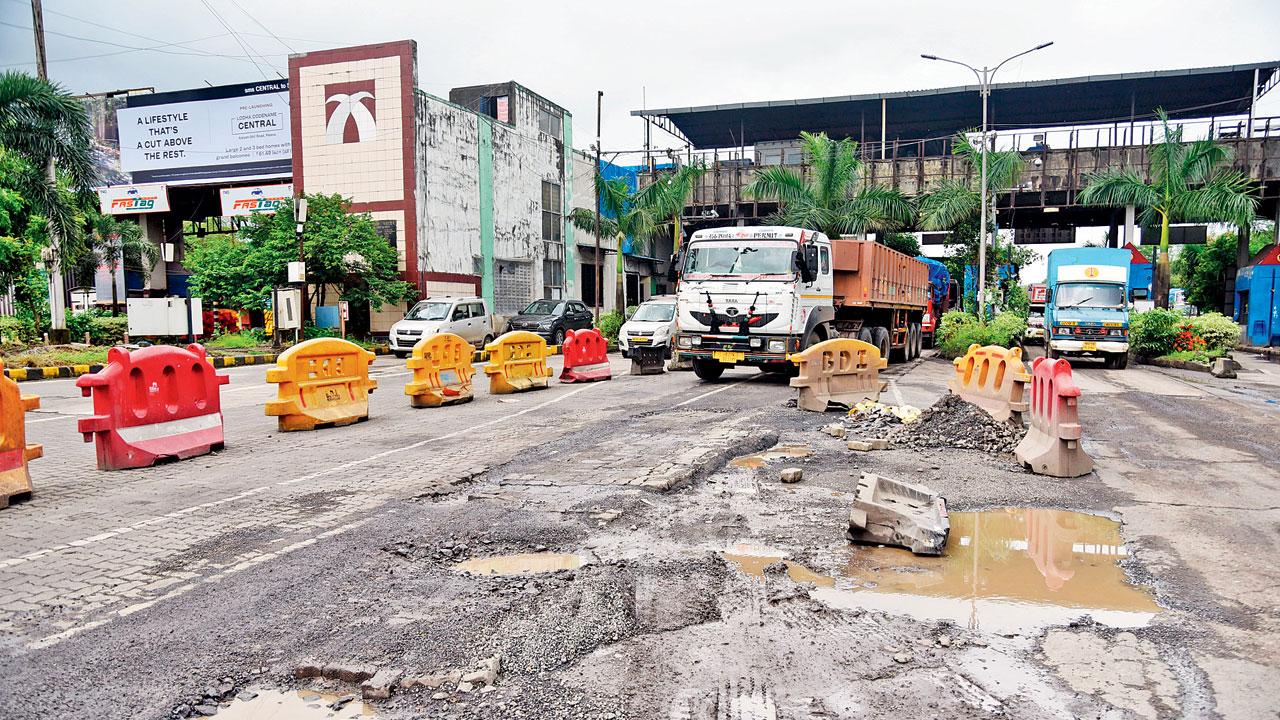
(954, 201)
(833, 200)
(47, 127)
(1189, 183)
(115, 243)
(642, 216)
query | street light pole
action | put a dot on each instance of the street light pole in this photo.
(985, 75)
(598, 268)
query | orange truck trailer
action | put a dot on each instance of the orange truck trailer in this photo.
(754, 295)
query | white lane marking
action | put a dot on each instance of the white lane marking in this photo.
(10, 562)
(696, 398)
(897, 394)
(54, 417)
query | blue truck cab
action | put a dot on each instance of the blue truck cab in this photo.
(1087, 309)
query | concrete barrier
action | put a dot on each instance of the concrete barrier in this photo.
(517, 362)
(1052, 443)
(15, 453)
(322, 382)
(442, 371)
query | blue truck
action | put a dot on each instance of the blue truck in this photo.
(1087, 308)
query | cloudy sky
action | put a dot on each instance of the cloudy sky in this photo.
(673, 53)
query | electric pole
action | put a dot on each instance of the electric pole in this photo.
(57, 295)
(599, 268)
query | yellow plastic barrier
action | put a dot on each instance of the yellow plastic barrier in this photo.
(842, 371)
(517, 362)
(323, 382)
(442, 371)
(993, 378)
(15, 453)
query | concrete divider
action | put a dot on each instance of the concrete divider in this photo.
(442, 371)
(517, 362)
(995, 379)
(842, 371)
(15, 453)
(1052, 443)
(322, 382)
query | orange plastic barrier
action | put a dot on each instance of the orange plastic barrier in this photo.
(994, 379)
(586, 357)
(323, 382)
(442, 371)
(517, 362)
(15, 453)
(1052, 443)
(841, 370)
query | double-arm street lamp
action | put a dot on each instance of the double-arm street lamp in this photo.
(984, 82)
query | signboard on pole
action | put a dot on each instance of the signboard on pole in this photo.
(208, 134)
(254, 199)
(133, 199)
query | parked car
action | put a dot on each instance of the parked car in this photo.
(652, 325)
(467, 317)
(1035, 328)
(552, 319)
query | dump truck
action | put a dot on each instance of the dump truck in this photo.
(755, 295)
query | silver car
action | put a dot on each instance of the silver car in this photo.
(467, 317)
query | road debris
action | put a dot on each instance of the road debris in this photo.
(887, 512)
(952, 422)
(792, 475)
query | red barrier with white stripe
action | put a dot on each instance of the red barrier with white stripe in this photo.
(586, 357)
(156, 403)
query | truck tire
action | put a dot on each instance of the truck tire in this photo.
(913, 335)
(1051, 353)
(1117, 361)
(708, 370)
(813, 338)
(864, 335)
(880, 338)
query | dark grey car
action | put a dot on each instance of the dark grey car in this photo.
(552, 319)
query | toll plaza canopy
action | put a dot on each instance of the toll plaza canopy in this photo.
(940, 113)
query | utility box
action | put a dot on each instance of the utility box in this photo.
(287, 304)
(158, 317)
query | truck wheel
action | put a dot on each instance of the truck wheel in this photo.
(708, 370)
(813, 338)
(1117, 361)
(880, 338)
(1051, 353)
(864, 335)
(913, 341)
(400, 354)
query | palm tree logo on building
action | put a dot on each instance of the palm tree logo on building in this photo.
(349, 118)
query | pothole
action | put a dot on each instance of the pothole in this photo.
(759, 460)
(521, 564)
(296, 705)
(1009, 570)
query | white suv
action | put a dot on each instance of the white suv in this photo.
(467, 317)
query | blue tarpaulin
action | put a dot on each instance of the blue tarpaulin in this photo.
(631, 175)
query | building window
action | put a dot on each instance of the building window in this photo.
(550, 122)
(552, 213)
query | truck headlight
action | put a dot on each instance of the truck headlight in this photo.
(777, 346)
(683, 341)
(757, 342)
(696, 340)
(1117, 332)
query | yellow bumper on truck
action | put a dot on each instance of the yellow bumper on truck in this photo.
(1082, 346)
(736, 349)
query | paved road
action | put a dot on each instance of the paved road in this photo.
(126, 594)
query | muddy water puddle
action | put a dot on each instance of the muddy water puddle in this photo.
(521, 564)
(759, 460)
(297, 705)
(1004, 570)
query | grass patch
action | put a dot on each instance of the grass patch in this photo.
(234, 341)
(54, 357)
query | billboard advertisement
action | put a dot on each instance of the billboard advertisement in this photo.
(254, 199)
(207, 135)
(133, 199)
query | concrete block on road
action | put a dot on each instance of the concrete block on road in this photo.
(792, 475)
(349, 672)
(379, 686)
(888, 512)
(868, 445)
(1223, 367)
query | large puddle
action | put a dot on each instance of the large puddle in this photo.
(1003, 571)
(759, 460)
(298, 705)
(522, 564)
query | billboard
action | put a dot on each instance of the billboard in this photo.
(207, 135)
(254, 199)
(133, 199)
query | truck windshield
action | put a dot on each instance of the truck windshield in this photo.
(1095, 295)
(429, 311)
(655, 312)
(741, 259)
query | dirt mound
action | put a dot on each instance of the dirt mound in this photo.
(952, 422)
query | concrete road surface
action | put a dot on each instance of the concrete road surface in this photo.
(626, 551)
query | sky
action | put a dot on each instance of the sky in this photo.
(655, 54)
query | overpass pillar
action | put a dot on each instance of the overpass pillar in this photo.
(1130, 232)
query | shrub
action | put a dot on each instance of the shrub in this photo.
(609, 325)
(1006, 329)
(233, 341)
(1153, 333)
(1219, 332)
(103, 329)
(952, 321)
(17, 330)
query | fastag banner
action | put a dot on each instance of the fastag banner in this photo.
(133, 199)
(254, 199)
(207, 135)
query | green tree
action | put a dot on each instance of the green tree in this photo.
(114, 243)
(643, 216)
(1190, 182)
(832, 199)
(905, 243)
(21, 237)
(45, 126)
(1202, 269)
(952, 202)
(342, 249)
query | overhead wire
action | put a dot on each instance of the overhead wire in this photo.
(243, 45)
(258, 22)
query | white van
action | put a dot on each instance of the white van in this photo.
(467, 317)
(652, 325)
